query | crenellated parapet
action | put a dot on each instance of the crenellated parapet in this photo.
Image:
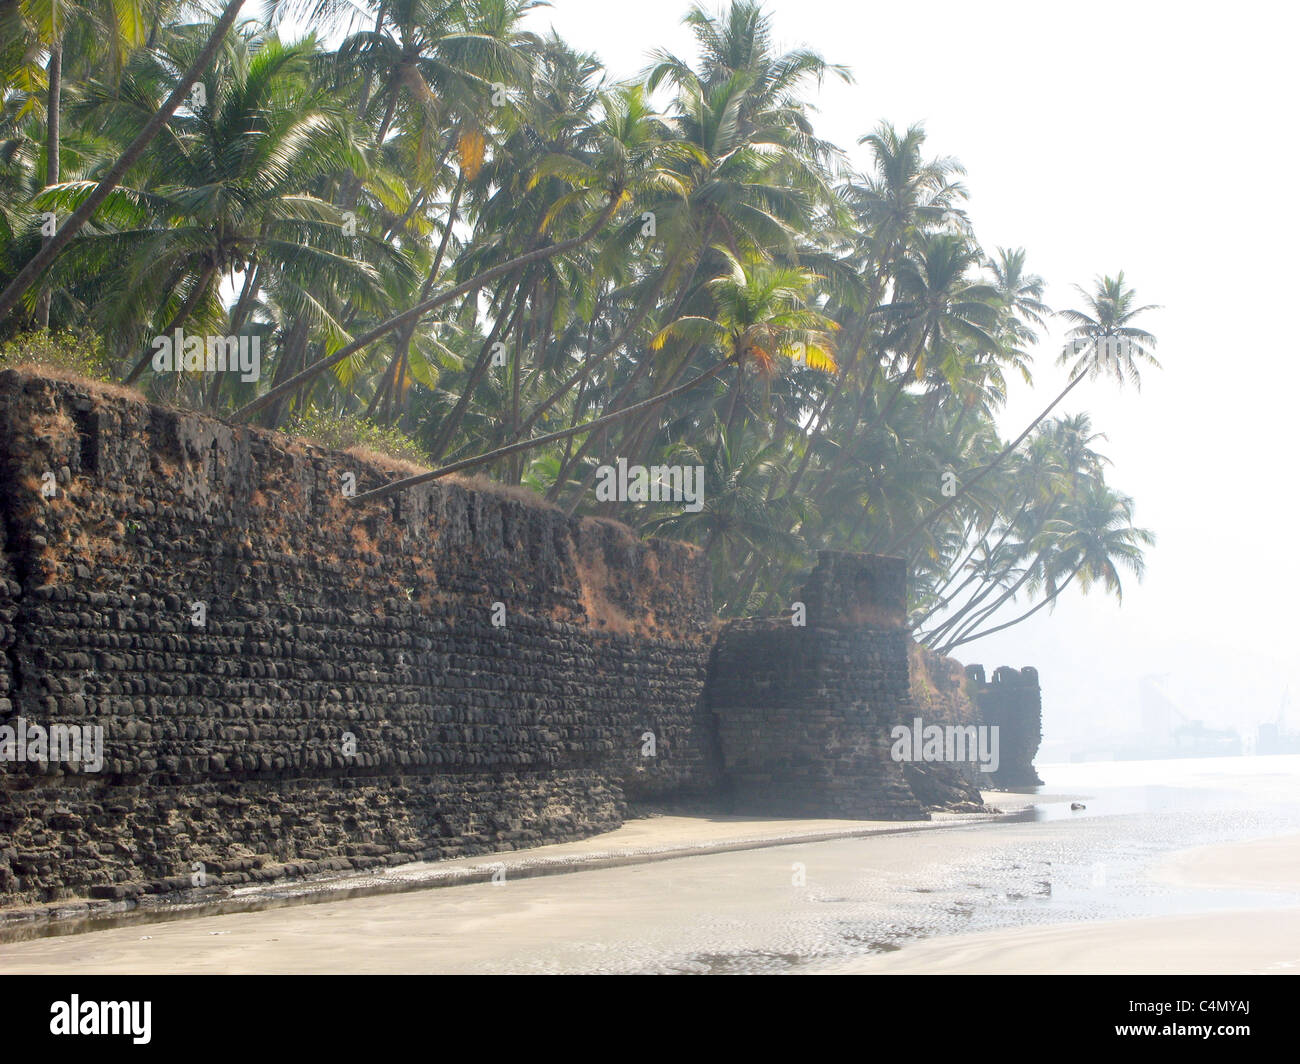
(265, 678)
(1012, 701)
(805, 711)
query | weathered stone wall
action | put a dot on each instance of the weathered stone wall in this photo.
(941, 695)
(226, 743)
(1012, 701)
(805, 713)
(457, 670)
(802, 720)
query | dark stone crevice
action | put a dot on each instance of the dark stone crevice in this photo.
(226, 744)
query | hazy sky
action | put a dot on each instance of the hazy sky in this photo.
(1147, 137)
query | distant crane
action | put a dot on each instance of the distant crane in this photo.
(1157, 708)
(1274, 738)
(1161, 717)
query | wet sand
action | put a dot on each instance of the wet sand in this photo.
(1146, 880)
(653, 838)
(1244, 942)
(733, 911)
(1249, 942)
(1263, 864)
(620, 897)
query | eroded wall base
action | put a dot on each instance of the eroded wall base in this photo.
(455, 671)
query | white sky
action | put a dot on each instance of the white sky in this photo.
(1149, 137)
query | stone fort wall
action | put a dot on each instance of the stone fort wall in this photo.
(1013, 701)
(289, 682)
(348, 699)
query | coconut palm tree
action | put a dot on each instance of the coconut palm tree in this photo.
(735, 517)
(480, 238)
(109, 29)
(1103, 342)
(225, 194)
(760, 315)
(1093, 540)
(71, 226)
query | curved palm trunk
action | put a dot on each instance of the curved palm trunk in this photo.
(948, 504)
(501, 328)
(993, 582)
(557, 487)
(54, 74)
(182, 315)
(964, 621)
(590, 364)
(543, 332)
(524, 445)
(637, 433)
(682, 291)
(598, 438)
(957, 569)
(243, 305)
(733, 404)
(948, 648)
(38, 262)
(295, 350)
(403, 345)
(385, 382)
(420, 309)
(517, 365)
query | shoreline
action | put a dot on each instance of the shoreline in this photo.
(727, 911)
(658, 837)
(1226, 942)
(1254, 941)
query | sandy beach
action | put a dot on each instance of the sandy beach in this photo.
(714, 910)
(1114, 888)
(476, 926)
(1244, 943)
(1257, 942)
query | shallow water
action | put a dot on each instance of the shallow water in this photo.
(747, 911)
(1052, 865)
(1098, 868)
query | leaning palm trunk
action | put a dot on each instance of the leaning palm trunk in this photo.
(403, 343)
(181, 316)
(38, 262)
(501, 328)
(948, 504)
(942, 593)
(975, 612)
(525, 445)
(949, 647)
(591, 363)
(420, 309)
(571, 463)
